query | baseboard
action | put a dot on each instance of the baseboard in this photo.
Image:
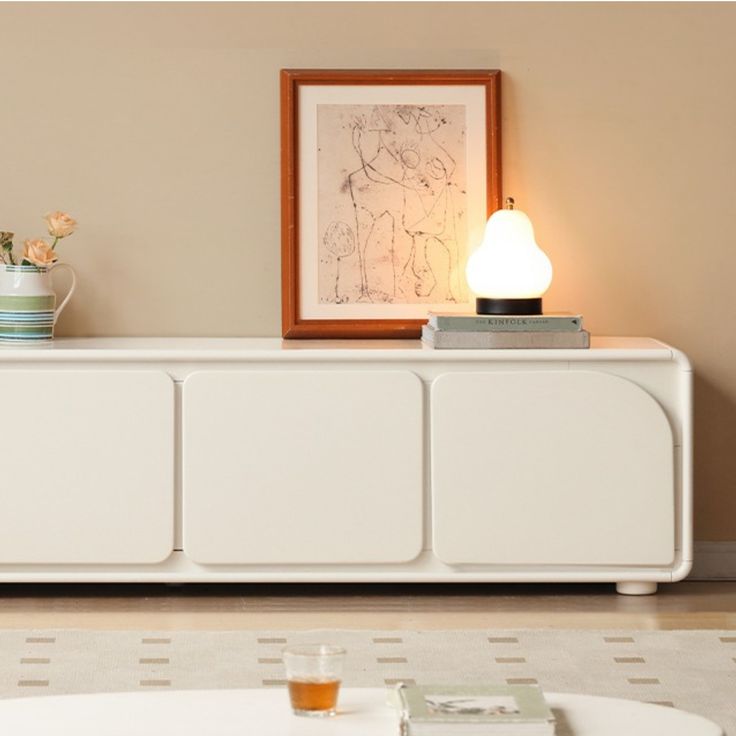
(714, 561)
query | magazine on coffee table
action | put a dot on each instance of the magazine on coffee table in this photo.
(497, 710)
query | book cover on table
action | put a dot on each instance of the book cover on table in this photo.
(448, 339)
(473, 709)
(558, 322)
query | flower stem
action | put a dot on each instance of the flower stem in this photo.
(56, 240)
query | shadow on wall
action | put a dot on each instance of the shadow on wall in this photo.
(714, 462)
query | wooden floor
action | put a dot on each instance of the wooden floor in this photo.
(678, 606)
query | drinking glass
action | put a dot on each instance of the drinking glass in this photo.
(313, 673)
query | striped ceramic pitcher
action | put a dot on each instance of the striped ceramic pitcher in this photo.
(28, 309)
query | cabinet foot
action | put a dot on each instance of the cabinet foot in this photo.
(636, 587)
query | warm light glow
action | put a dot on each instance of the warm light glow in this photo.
(508, 264)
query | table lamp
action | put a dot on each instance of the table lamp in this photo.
(508, 271)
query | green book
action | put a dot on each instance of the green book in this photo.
(505, 322)
(492, 710)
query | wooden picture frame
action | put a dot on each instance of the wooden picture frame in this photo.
(387, 179)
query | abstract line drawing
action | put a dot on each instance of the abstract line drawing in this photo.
(392, 203)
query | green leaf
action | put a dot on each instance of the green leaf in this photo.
(6, 240)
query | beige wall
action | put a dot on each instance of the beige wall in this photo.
(156, 125)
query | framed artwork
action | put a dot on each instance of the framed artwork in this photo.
(387, 181)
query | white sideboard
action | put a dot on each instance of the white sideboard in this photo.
(245, 460)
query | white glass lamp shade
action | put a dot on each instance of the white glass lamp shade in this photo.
(509, 264)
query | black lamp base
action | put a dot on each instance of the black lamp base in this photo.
(484, 305)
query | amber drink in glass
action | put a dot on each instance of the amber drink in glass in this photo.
(313, 674)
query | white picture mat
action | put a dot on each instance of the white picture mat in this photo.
(473, 97)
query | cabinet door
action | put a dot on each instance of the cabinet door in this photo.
(87, 467)
(302, 467)
(558, 468)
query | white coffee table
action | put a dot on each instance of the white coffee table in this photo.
(363, 712)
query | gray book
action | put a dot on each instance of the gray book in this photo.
(453, 339)
(501, 710)
(506, 322)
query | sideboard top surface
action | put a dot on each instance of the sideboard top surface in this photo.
(209, 349)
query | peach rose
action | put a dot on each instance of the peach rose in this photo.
(60, 224)
(39, 253)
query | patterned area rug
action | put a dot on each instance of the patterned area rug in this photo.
(691, 670)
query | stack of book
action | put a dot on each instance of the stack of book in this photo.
(503, 710)
(488, 331)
